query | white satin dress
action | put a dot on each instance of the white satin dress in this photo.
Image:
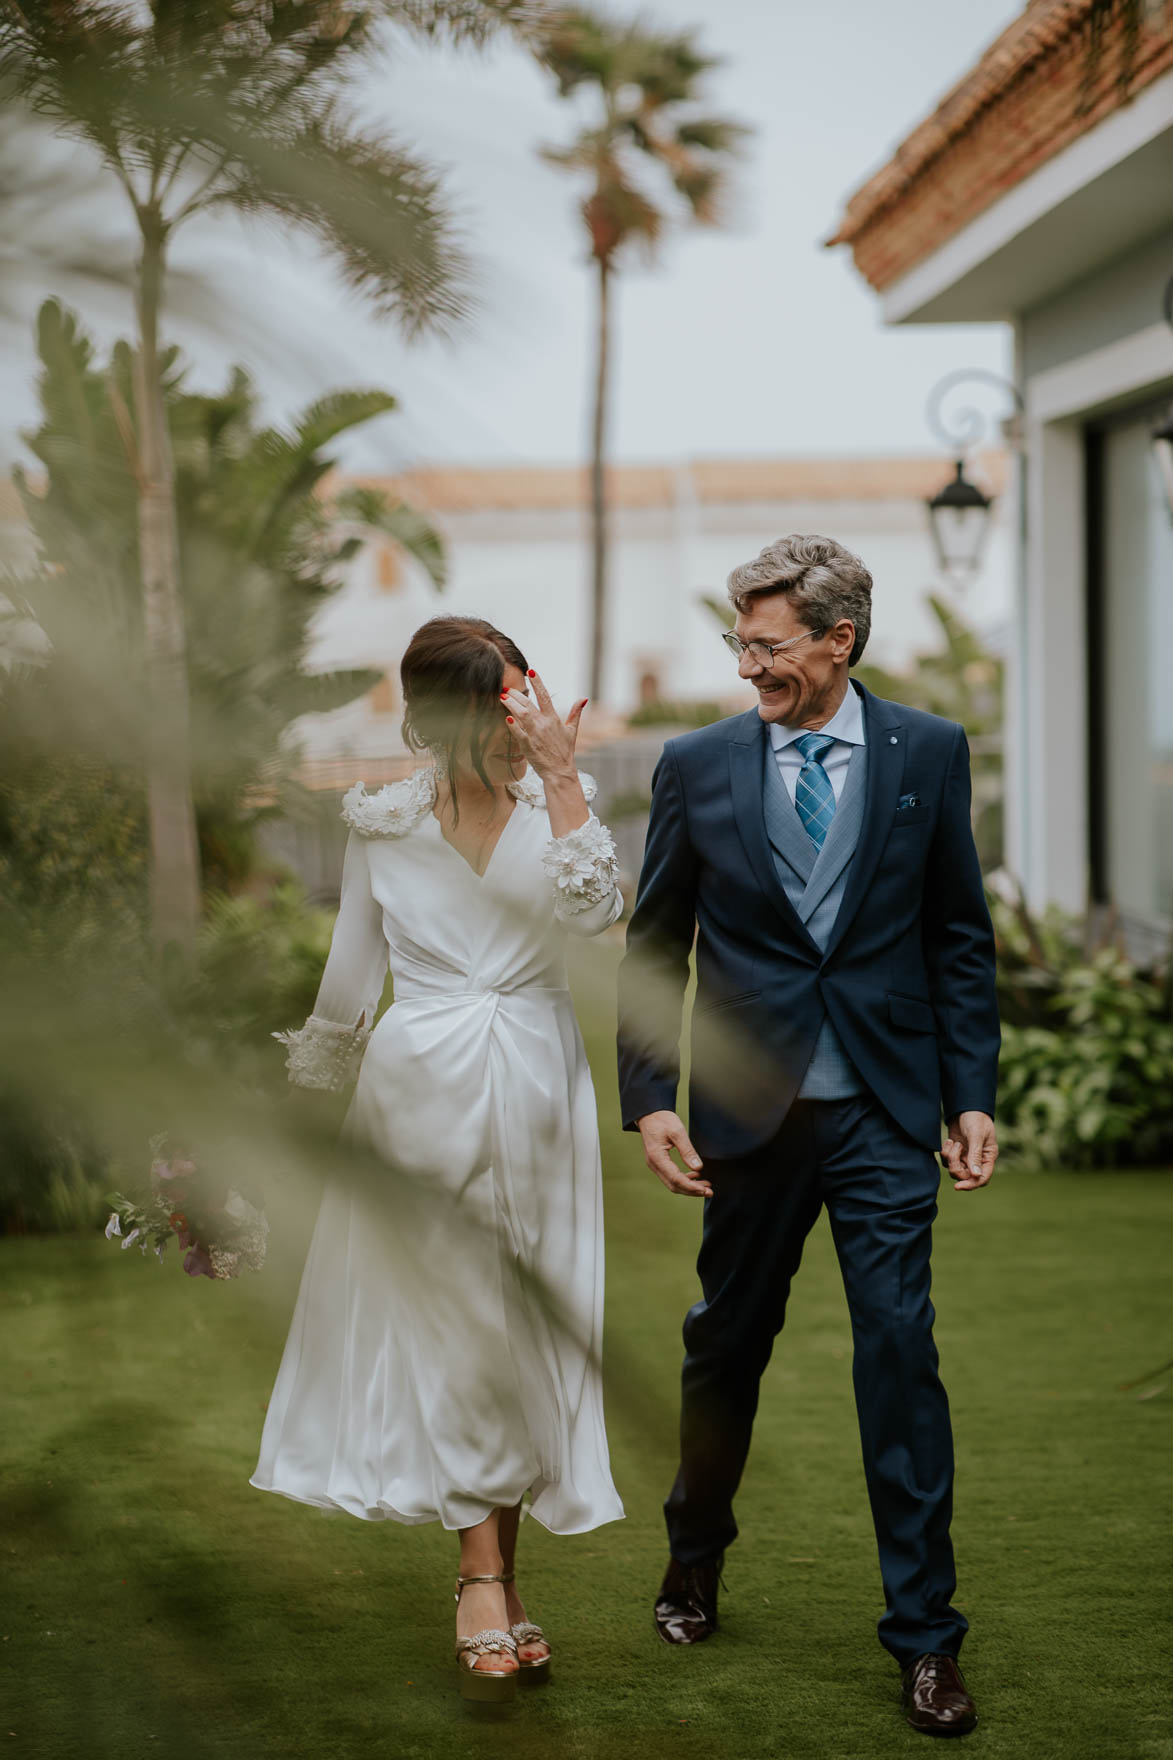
(444, 1354)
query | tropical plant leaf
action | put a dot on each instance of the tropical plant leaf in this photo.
(259, 547)
(410, 529)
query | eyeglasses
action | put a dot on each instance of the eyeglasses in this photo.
(763, 652)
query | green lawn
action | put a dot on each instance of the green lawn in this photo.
(154, 1604)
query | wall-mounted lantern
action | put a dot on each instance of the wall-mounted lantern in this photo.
(959, 519)
(959, 513)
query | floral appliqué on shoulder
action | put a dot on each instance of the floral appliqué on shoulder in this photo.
(393, 810)
(398, 807)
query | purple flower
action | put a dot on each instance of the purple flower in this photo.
(198, 1263)
(178, 1167)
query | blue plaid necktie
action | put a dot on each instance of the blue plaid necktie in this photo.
(813, 795)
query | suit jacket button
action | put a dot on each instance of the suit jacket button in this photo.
(893, 740)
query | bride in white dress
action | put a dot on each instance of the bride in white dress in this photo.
(443, 1358)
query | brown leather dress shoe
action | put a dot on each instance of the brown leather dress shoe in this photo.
(686, 1607)
(935, 1699)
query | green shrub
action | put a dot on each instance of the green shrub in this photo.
(258, 964)
(1086, 1073)
(73, 841)
(634, 804)
(52, 1174)
(682, 714)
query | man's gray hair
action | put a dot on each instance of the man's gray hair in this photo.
(823, 581)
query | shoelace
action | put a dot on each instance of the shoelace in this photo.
(693, 1580)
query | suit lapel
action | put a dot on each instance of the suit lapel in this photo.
(784, 828)
(886, 738)
(842, 835)
(746, 784)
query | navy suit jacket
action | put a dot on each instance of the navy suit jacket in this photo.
(907, 973)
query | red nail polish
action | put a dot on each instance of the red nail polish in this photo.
(504, 694)
(509, 721)
(531, 673)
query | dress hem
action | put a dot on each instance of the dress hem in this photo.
(384, 1512)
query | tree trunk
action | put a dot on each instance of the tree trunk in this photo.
(175, 875)
(599, 487)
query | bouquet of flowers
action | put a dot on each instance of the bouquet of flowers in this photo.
(219, 1232)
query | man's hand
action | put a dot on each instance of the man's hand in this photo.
(970, 1152)
(662, 1132)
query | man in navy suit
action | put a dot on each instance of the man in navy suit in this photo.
(819, 850)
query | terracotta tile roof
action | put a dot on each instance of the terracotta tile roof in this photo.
(471, 488)
(1029, 96)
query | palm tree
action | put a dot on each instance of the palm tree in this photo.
(262, 544)
(194, 107)
(646, 157)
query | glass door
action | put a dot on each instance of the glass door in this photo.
(1132, 706)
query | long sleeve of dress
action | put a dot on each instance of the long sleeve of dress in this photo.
(585, 872)
(326, 1051)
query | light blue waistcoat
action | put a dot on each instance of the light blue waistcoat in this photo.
(814, 882)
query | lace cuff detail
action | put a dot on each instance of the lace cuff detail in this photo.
(323, 1054)
(583, 867)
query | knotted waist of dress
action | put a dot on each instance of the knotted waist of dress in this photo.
(461, 991)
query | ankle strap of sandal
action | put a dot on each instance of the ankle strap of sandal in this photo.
(461, 1582)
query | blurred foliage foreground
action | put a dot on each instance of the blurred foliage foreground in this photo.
(104, 1041)
(157, 1605)
(102, 1047)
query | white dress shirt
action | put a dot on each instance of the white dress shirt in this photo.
(846, 725)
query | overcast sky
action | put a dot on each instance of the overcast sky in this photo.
(753, 339)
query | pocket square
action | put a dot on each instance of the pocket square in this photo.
(908, 800)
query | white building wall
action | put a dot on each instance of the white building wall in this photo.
(527, 571)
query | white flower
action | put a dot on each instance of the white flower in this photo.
(159, 1251)
(392, 811)
(531, 790)
(582, 865)
(113, 1227)
(323, 1054)
(131, 1238)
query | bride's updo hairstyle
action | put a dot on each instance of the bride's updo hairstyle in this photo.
(452, 676)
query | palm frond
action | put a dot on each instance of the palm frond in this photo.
(197, 104)
(580, 48)
(316, 693)
(720, 609)
(408, 528)
(338, 413)
(648, 82)
(73, 65)
(582, 154)
(471, 22)
(379, 211)
(702, 187)
(617, 215)
(713, 134)
(672, 68)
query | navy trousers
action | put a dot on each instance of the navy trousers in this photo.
(880, 1189)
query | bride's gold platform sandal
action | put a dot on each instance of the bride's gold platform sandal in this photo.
(493, 1686)
(536, 1671)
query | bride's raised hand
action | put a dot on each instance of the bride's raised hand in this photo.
(546, 740)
